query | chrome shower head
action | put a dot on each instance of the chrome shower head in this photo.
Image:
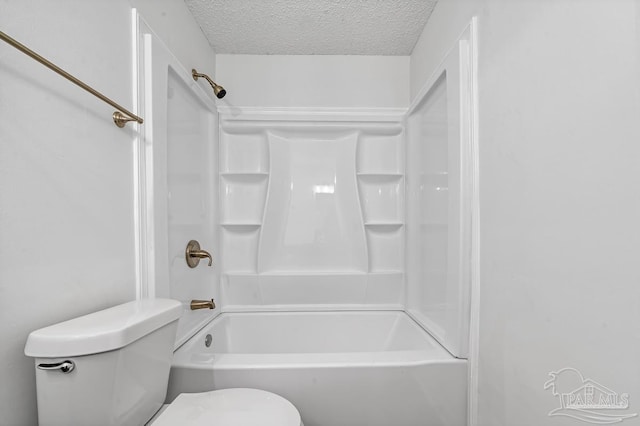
(217, 89)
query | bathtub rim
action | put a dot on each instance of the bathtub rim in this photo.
(284, 360)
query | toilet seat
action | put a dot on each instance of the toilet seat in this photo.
(230, 407)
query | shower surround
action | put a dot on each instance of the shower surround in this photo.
(312, 210)
(317, 298)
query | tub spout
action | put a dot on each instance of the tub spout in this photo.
(202, 304)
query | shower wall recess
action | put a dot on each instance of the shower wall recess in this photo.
(312, 209)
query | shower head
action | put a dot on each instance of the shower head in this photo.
(217, 89)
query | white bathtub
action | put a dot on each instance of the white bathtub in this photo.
(338, 368)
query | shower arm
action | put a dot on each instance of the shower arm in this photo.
(195, 74)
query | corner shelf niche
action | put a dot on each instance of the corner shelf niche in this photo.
(381, 198)
(244, 178)
(380, 176)
(244, 197)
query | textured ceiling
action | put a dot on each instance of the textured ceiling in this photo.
(312, 27)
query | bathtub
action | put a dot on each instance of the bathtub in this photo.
(375, 368)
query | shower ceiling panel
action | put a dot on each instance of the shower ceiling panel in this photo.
(318, 27)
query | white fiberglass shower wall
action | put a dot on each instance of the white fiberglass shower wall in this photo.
(178, 181)
(312, 186)
(440, 201)
(312, 210)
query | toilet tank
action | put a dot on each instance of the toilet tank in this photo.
(107, 368)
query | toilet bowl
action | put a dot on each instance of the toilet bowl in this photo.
(112, 367)
(229, 407)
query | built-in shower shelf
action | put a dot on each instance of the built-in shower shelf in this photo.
(380, 176)
(244, 175)
(241, 226)
(244, 195)
(383, 225)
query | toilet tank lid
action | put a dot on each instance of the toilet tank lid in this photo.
(102, 331)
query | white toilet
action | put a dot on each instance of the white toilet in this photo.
(112, 368)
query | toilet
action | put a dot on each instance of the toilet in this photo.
(112, 367)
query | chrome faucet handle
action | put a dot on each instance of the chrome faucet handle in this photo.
(193, 254)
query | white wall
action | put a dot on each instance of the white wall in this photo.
(560, 240)
(314, 81)
(172, 21)
(66, 172)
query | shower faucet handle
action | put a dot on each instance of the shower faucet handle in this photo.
(201, 254)
(193, 254)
